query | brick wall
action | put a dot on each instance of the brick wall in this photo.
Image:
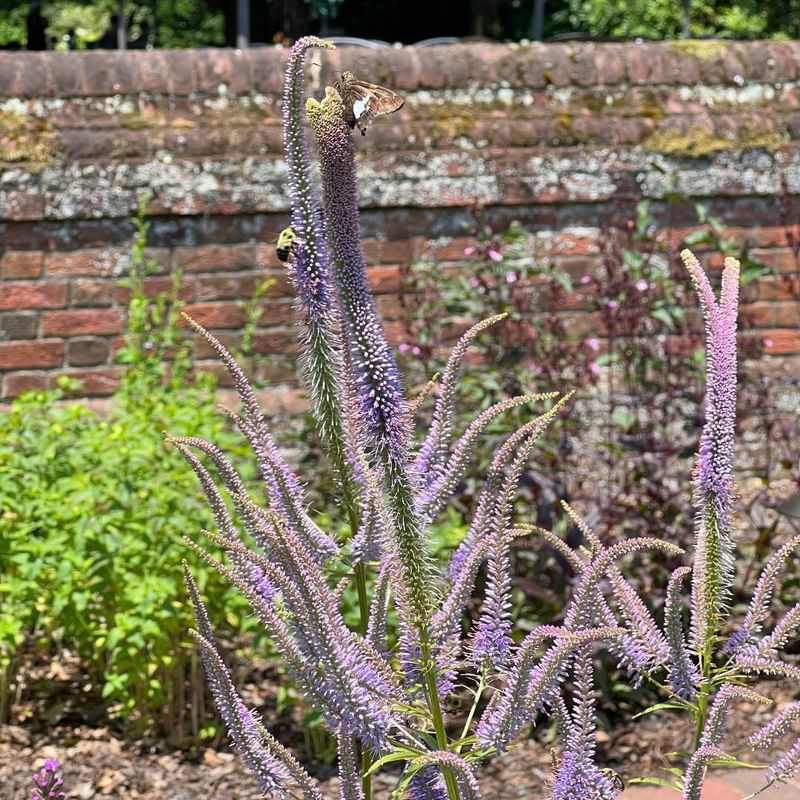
(564, 138)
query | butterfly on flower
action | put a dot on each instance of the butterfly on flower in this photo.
(364, 101)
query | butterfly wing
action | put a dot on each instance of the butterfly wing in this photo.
(364, 101)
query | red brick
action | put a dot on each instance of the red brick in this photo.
(204, 350)
(454, 250)
(91, 292)
(158, 285)
(383, 280)
(82, 322)
(276, 341)
(396, 251)
(14, 296)
(16, 383)
(228, 287)
(21, 264)
(24, 355)
(781, 341)
(179, 70)
(214, 257)
(21, 206)
(97, 262)
(281, 283)
(87, 351)
(780, 259)
(271, 374)
(95, 382)
(278, 312)
(773, 235)
(783, 288)
(216, 315)
(153, 71)
(787, 315)
(267, 258)
(20, 325)
(758, 315)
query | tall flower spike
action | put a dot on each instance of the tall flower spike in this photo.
(382, 408)
(312, 276)
(712, 576)
(309, 263)
(377, 377)
(577, 777)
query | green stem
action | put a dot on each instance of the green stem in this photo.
(470, 716)
(360, 580)
(363, 602)
(435, 707)
(705, 694)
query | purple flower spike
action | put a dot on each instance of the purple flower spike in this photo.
(309, 263)
(377, 380)
(47, 782)
(427, 784)
(578, 778)
(713, 480)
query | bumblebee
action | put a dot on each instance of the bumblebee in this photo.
(615, 778)
(286, 242)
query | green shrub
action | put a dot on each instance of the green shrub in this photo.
(91, 513)
(92, 508)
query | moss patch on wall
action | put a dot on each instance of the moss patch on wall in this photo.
(702, 49)
(698, 142)
(26, 138)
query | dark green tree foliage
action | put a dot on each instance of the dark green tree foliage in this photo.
(201, 23)
(160, 23)
(663, 19)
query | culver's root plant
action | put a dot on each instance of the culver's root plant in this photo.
(383, 688)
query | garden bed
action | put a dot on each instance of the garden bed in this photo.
(99, 765)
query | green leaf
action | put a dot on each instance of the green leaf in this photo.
(673, 706)
(402, 754)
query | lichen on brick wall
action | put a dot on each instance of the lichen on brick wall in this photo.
(699, 142)
(26, 138)
(702, 49)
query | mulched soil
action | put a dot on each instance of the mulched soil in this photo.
(99, 765)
